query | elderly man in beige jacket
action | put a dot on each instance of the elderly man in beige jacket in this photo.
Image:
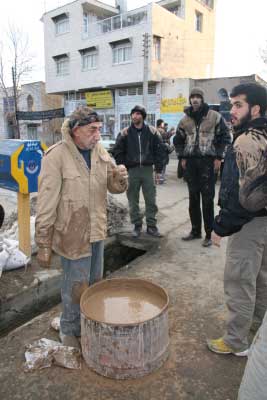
(71, 209)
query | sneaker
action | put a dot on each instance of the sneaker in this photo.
(220, 347)
(153, 231)
(207, 242)
(137, 231)
(192, 236)
(70, 341)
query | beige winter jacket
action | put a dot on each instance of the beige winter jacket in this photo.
(72, 200)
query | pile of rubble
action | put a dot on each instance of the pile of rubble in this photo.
(117, 215)
(10, 255)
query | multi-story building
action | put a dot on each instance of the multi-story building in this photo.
(31, 97)
(97, 54)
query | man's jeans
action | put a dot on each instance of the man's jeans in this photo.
(85, 270)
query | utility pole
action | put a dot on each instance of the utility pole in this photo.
(15, 102)
(146, 46)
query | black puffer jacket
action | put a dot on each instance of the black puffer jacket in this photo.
(136, 148)
(232, 215)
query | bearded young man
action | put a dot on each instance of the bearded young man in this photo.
(71, 210)
(200, 142)
(245, 276)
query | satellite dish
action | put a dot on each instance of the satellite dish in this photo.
(223, 95)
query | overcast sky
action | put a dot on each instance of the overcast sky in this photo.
(241, 31)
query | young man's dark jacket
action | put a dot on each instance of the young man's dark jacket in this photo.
(201, 133)
(136, 148)
(232, 215)
(166, 147)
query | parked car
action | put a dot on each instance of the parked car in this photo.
(107, 142)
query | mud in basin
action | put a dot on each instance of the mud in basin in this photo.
(124, 327)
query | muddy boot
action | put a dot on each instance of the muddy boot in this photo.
(70, 341)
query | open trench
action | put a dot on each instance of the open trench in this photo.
(25, 294)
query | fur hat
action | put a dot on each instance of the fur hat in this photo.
(139, 109)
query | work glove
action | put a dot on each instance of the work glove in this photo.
(44, 257)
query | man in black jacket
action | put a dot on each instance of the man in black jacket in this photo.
(200, 141)
(245, 276)
(138, 147)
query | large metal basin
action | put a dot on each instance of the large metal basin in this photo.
(124, 327)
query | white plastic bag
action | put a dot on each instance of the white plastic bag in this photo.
(44, 352)
(11, 257)
(55, 323)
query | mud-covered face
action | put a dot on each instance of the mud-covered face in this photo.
(86, 137)
(196, 101)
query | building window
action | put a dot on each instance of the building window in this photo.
(151, 119)
(177, 9)
(89, 58)
(121, 52)
(132, 91)
(125, 120)
(151, 89)
(198, 21)
(30, 103)
(32, 132)
(62, 64)
(208, 3)
(122, 92)
(89, 19)
(85, 22)
(156, 48)
(9, 104)
(62, 23)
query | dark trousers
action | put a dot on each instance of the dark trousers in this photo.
(200, 178)
(142, 177)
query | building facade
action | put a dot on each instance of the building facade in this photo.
(32, 97)
(100, 55)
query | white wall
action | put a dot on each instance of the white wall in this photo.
(171, 89)
(106, 74)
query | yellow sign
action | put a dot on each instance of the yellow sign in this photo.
(101, 99)
(174, 105)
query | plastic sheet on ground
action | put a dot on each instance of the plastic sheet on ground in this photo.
(55, 323)
(45, 352)
(11, 257)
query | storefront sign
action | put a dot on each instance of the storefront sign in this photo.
(40, 115)
(101, 99)
(174, 105)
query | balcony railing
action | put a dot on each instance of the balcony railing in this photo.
(120, 21)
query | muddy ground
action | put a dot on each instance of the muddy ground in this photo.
(193, 277)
